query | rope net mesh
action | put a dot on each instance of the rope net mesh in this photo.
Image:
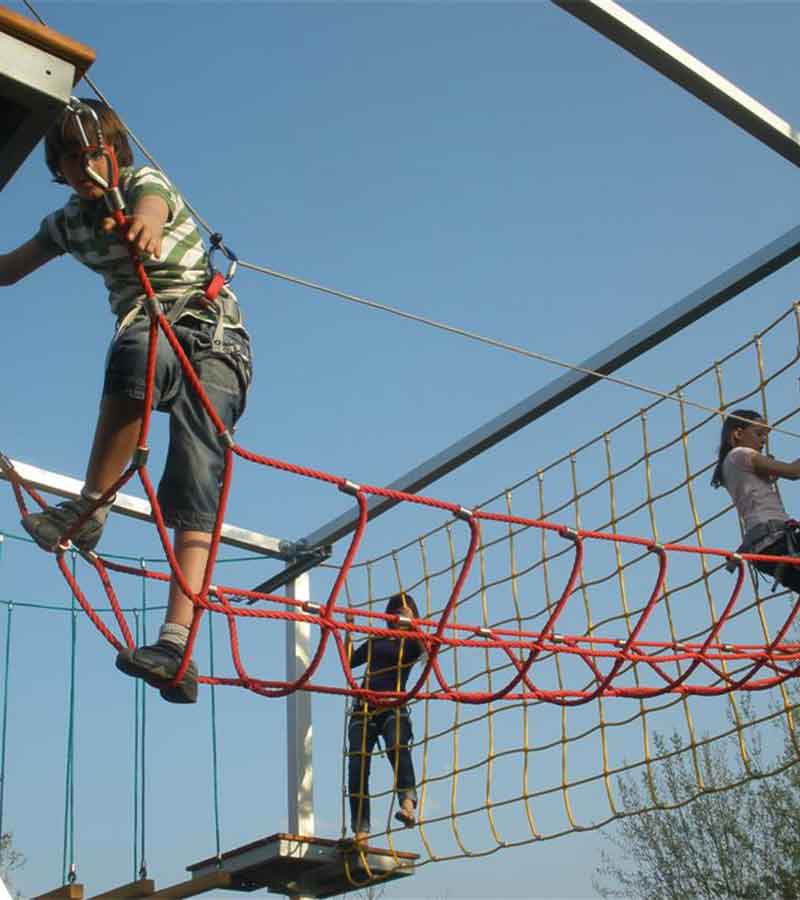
(566, 621)
(547, 763)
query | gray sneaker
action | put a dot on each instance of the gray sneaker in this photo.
(157, 665)
(49, 526)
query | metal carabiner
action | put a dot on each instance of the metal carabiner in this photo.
(97, 150)
(76, 108)
(233, 260)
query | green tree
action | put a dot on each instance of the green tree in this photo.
(10, 859)
(742, 842)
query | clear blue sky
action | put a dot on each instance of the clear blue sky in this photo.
(498, 166)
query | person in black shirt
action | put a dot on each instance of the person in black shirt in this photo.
(389, 661)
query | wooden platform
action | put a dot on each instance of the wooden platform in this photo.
(38, 69)
(36, 35)
(283, 863)
(308, 866)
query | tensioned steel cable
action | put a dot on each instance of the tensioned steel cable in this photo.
(416, 317)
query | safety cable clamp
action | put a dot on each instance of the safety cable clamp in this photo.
(139, 458)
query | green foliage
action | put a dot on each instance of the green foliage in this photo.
(10, 859)
(742, 842)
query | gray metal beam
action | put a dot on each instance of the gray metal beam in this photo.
(34, 87)
(652, 48)
(738, 278)
(136, 508)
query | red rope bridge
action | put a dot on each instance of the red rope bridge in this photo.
(605, 659)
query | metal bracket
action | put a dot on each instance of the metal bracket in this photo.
(303, 561)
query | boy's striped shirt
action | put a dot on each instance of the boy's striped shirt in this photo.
(75, 229)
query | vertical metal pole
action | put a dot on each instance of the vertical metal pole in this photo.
(299, 737)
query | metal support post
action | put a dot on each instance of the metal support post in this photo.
(299, 736)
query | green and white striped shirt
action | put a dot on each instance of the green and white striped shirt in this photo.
(75, 229)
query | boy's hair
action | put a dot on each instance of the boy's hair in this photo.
(396, 602)
(63, 135)
(732, 422)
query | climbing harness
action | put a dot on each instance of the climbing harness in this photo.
(213, 296)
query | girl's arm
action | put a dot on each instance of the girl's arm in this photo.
(774, 468)
(24, 260)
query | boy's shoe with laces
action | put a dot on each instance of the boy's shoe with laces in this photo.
(157, 665)
(48, 526)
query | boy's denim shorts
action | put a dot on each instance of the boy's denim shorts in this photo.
(189, 489)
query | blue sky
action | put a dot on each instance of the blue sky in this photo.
(495, 166)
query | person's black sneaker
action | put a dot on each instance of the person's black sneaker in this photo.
(49, 526)
(157, 665)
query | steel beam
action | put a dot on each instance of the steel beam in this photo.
(661, 54)
(136, 508)
(729, 284)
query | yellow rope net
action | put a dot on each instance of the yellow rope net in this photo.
(512, 772)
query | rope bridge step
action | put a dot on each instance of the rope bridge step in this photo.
(295, 864)
(144, 887)
(65, 892)
(195, 886)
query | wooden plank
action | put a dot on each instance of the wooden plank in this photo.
(65, 892)
(195, 886)
(144, 887)
(46, 39)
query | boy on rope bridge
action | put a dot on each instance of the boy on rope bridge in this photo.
(210, 331)
(389, 661)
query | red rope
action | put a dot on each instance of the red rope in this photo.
(779, 658)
